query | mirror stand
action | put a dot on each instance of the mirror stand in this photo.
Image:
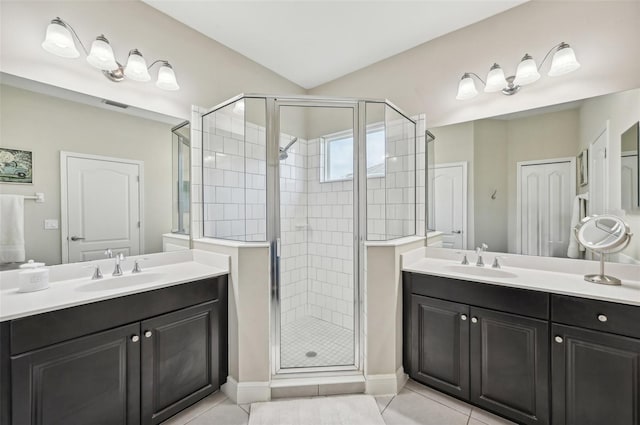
(602, 278)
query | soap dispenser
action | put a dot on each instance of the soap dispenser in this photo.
(33, 277)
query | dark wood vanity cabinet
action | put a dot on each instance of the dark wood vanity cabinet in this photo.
(532, 357)
(595, 362)
(137, 359)
(494, 358)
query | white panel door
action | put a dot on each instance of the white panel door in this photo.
(546, 195)
(450, 204)
(103, 207)
(598, 177)
(629, 182)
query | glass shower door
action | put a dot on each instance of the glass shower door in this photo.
(316, 317)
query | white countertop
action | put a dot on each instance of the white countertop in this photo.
(69, 283)
(539, 274)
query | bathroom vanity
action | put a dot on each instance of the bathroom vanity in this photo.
(137, 358)
(532, 353)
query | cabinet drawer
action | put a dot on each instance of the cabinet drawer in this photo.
(495, 297)
(604, 316)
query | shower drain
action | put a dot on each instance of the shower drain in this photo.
(311, 354)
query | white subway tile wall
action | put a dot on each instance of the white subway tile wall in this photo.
(234, 170)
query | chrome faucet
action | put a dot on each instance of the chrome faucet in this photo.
(117, 271)
(479, 250)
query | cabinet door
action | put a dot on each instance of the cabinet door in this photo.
(93, 380)
(180, 360)
(440, 345)
(596, 378)
(510, 365)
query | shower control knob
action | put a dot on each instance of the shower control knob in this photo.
(463, 317)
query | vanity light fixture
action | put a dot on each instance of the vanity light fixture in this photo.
(59, 40)
(563, 62)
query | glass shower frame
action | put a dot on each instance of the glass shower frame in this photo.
(273, 219)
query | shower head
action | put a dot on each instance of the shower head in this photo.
(284, 152)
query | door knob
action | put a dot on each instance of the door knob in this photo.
(76, 238)
(457, 231)
(602, 318)
(474, 320)
(135, 338)
(148, 334)
(558, 339)
(463, 317)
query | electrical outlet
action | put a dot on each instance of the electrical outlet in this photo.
(50, 224)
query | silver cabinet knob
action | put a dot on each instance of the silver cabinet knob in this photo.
(474, 320)
(602, 318)
(135, 338)
(463, 317)
(558, 339)
(148, 334)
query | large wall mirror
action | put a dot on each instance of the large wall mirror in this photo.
(105, 170)
(520, 182)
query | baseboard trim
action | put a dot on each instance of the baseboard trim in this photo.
(386, 384)
(246, 392)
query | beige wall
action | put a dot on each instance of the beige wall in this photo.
(207, 71)
(47, 125)
(490, 174)
(425, 79)
(454, 143)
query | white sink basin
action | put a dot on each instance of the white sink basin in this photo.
(119, 282)
(481, 271)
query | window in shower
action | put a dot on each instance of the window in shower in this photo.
(337, 154)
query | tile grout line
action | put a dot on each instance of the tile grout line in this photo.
(387, 405)
(439, 402)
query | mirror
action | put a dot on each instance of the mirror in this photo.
(603, 234)
(521, 182)
(629, 164)
(90, 152)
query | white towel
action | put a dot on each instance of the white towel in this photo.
(574, 249)
(11, 228)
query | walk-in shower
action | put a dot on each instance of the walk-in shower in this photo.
(316, 178)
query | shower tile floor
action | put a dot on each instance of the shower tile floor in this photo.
(332, 344)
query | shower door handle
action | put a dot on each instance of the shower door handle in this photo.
(278, 247)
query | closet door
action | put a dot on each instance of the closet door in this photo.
(545, 195)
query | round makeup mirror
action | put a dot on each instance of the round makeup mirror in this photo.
(604, 234)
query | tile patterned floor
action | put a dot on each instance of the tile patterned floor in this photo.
(332, 344)
(414, 405)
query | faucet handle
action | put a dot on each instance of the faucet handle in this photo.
(120, 256)
(484, 246)
(108, 253)
(97, 274)
(136, 265)
(496, 264)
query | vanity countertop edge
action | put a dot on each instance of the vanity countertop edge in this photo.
(175, 268)
(555, 282)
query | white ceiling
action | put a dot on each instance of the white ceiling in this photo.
(313, 42)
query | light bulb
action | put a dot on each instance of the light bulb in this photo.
(527, 71)
(564, 61)
(167, 78)
(59, 40)
(466, 88)
(101, 55)
(495, 79)
(136, 68)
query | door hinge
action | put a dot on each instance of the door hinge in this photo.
(138, 225)
(138, 179)
(605, 153)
